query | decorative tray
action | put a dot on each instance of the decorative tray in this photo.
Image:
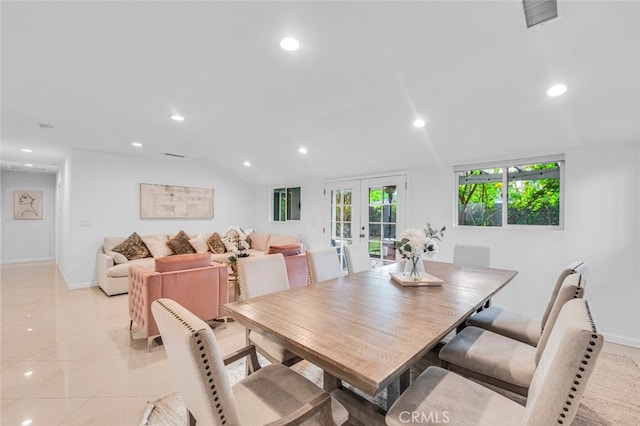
(426, 280)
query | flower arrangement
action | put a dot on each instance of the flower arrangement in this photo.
(412, 243)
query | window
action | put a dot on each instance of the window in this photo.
(286, 204)
(532, 189)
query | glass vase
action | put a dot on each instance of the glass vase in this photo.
(414, 268)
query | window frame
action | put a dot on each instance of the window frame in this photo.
(505, 165)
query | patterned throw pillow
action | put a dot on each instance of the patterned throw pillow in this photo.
(133, 248)
(215, 243)
(180, 244)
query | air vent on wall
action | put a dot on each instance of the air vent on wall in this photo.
(168, 154)
(539, 11)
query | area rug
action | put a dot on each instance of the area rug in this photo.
(611, 397)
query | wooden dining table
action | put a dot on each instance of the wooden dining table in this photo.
(365, 328)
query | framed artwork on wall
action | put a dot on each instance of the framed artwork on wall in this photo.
(27, 205)
(173, 202)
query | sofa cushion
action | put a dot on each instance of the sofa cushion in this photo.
(180, 244)
(133, 248)
(215, 243)
(286, 250)
(117, 257)
(199, 243)
(260, 241)
(182, 261)
(110, 242)
(157, 245)
(122, 269)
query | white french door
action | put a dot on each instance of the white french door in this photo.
(367, 211)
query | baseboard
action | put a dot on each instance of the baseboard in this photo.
(82, 285)
(37, 259)
(621, 340)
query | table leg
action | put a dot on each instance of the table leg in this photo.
(329, 382)
(395, 389)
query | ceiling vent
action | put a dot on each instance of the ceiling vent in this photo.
(168, 154)
(539, 11)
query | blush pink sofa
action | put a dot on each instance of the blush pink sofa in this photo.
(189, 279)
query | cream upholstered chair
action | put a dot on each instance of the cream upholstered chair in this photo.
(499, 360)
(518, 326)
(470, 256)
(324, 264)
(270, 394)
(556, 387)
(260, 275)
(357, 256)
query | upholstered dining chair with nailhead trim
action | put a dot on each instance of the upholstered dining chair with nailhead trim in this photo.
(271, 394)
(499, 360)
(556, 389)
(521, 327)
(324, 264)
(260, 275)
(357, 256)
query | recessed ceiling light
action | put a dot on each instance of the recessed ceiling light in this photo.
(26, 422)
(418, 123)
(28, 373)
(137, 144)
(247, 164)
(557, 90)
(302, 150)
(28, 165)
(26, 150)
(177, 117)
(289, 44)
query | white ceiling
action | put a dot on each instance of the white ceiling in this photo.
(105, 74)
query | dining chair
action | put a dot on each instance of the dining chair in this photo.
(521, 327)
(324, 264)
(273, 393)
(472, 256)
(357, 256)
(556, 387)
(260, 275)
(499, 360)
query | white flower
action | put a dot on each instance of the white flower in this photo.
(413, 242)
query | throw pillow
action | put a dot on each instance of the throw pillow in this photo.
(286, 250)
(133, 248)
(199, 243)
(215, 243)
(157, 245)
(180, 244)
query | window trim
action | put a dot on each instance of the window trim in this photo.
(504, 165)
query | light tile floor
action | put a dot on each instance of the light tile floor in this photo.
(68, 358)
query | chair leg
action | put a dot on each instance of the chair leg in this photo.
(149, 340)
(130, 324)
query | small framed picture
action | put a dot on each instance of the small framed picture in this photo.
(27, 205)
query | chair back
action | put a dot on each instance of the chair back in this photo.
(572, 288)
(470, 256)
(578, 267)
(324, 264)
(260, 275)
(357, 256)
(197, 364)
(565, 367)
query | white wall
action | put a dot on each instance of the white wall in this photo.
(102, 200)
(602, 187)
(28, 240)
